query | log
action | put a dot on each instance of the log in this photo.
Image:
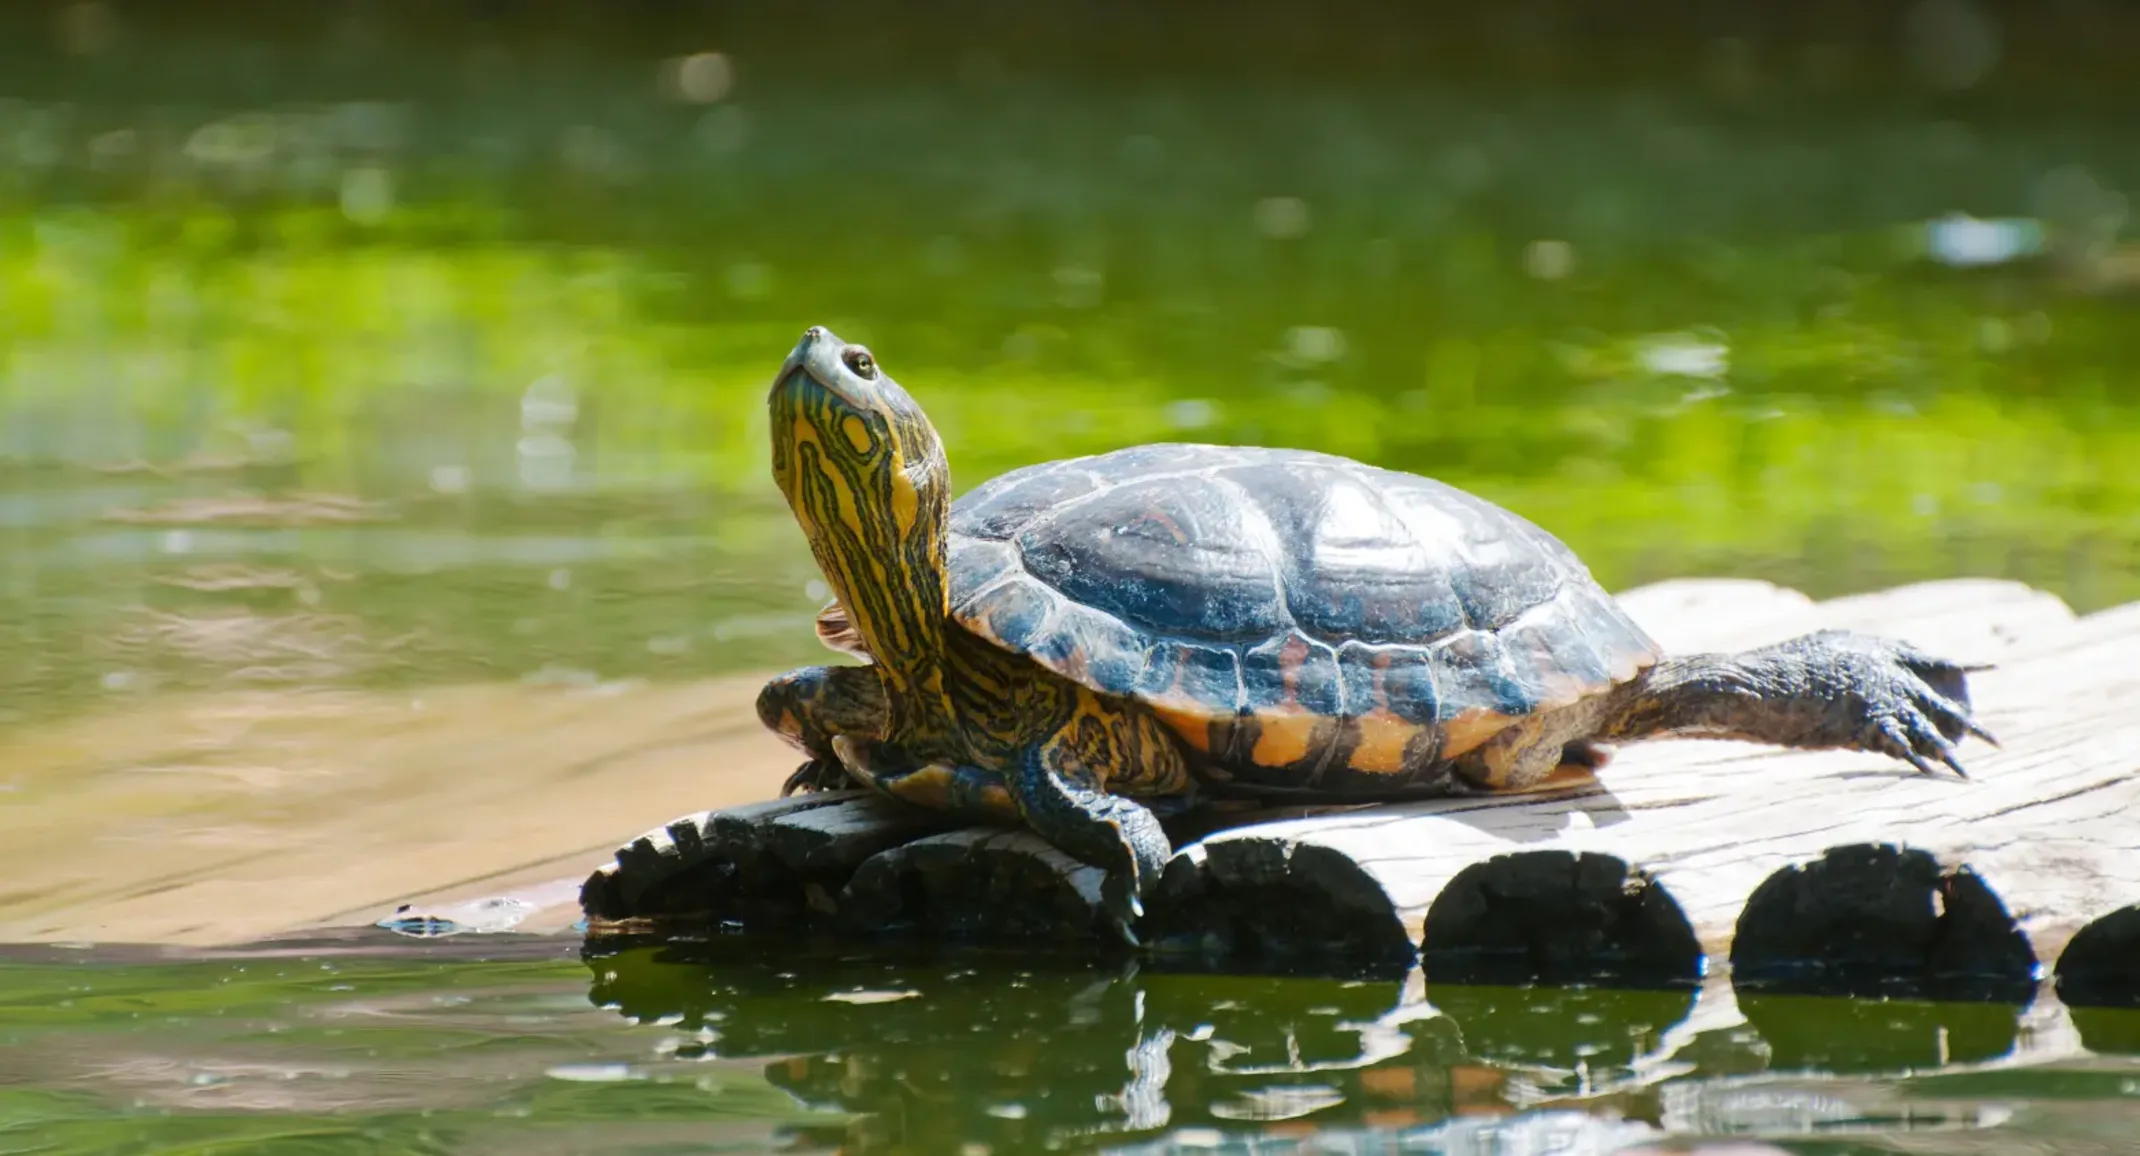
(977, 883)
(772, 864)
(1686, 856)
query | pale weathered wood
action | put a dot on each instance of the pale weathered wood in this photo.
(1655, 862)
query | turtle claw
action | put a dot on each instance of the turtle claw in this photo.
(1911, 742)
(1916, 705)
(1908, 736)
(1948, 720)
(1125, 924)
(1123, 907)
(815, 775)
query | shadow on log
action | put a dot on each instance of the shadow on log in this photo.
(1267, 902)
(771, 865)
(1877, 919)
(979, 883)
(1558, 917)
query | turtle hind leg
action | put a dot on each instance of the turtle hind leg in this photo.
(1553, 750)
(1831, 690)
(1578, 766)
(1584, 755)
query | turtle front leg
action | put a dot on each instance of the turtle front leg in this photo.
(1829, 690)
(812, 706)
(1061, 788)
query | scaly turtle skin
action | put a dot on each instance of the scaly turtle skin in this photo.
(1077, 643)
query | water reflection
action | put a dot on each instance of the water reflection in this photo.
(945, 1052)
(1020, 1052)
(519, 1042)
(1814, 1033)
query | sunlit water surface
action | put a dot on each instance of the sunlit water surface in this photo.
(734, 1045)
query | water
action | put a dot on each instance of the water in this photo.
(734, 1045)
(384, 506)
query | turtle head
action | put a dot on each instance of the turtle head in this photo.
(864, 474)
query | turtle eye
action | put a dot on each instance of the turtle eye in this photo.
(860, 363)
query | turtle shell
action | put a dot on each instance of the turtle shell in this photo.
(1300, 618)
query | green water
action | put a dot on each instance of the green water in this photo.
(391, 347)
(733, 1045)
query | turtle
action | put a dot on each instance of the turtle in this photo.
(1086, 645)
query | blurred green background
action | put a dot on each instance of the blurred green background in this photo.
(400, 341)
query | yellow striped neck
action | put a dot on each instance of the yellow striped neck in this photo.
(871, 491)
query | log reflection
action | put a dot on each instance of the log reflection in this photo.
(934, 1051)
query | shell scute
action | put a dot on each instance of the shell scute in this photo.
(1014, 614)
(1353, 568)
(1191, 678)
(1298, 616)
(998, 508)
(1293, 674)
(1179, 557)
